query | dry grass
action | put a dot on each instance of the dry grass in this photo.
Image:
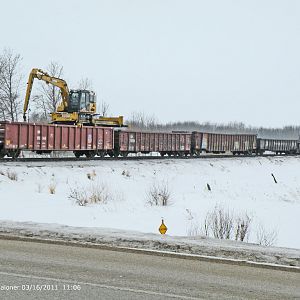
(265, 237)
(52, 188)
(12, 175)
(222, 223)
(159, 194)
(97, 193)
(242, 227)
(126, 173)
(92, 175)
(194, 229)
(79, 196)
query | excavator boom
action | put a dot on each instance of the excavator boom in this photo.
(41, 75)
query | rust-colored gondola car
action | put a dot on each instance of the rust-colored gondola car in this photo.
(277, 146)
(145, 142)
(222, 143)
(45, 138)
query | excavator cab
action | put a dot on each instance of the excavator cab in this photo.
(82, 101)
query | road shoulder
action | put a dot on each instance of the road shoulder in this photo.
(200, 248)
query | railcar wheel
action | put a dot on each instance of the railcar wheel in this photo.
(124, 154)
(198, 153)
(111, 153)
(90, 154)
(2, 153)
(101, 153)
(14, 153)
(77, 154)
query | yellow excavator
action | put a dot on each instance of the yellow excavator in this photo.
(78, 107)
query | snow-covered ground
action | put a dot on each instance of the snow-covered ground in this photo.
(195, 246)
(241, 185)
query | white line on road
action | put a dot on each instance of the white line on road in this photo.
(105, 286)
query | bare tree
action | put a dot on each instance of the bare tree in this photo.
(10, 79)
(104, 108)
(242, 227)
(140, 120)
(266, 237)
(3, 111)
(49, 97)
(137, 120)
(222, 223)
(38, 117)
(85, 84)
(159, 194)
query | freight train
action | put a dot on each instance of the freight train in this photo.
(93, 141)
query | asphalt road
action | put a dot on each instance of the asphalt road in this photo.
(46, 271)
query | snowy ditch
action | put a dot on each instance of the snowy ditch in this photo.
(222, 251)
(259, 194)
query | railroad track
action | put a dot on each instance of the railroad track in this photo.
(128, 158)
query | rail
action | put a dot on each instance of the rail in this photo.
(128, 158)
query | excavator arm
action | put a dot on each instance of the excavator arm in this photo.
(41, 75)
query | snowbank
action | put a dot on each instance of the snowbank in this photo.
(222, 251)
(238, 184)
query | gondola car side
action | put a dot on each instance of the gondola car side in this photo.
(45, 138)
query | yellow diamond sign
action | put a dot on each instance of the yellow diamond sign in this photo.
(162, 228)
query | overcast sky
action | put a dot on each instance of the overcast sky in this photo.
(215, 61)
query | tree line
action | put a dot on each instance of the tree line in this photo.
(141, 121)
(286, 132)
